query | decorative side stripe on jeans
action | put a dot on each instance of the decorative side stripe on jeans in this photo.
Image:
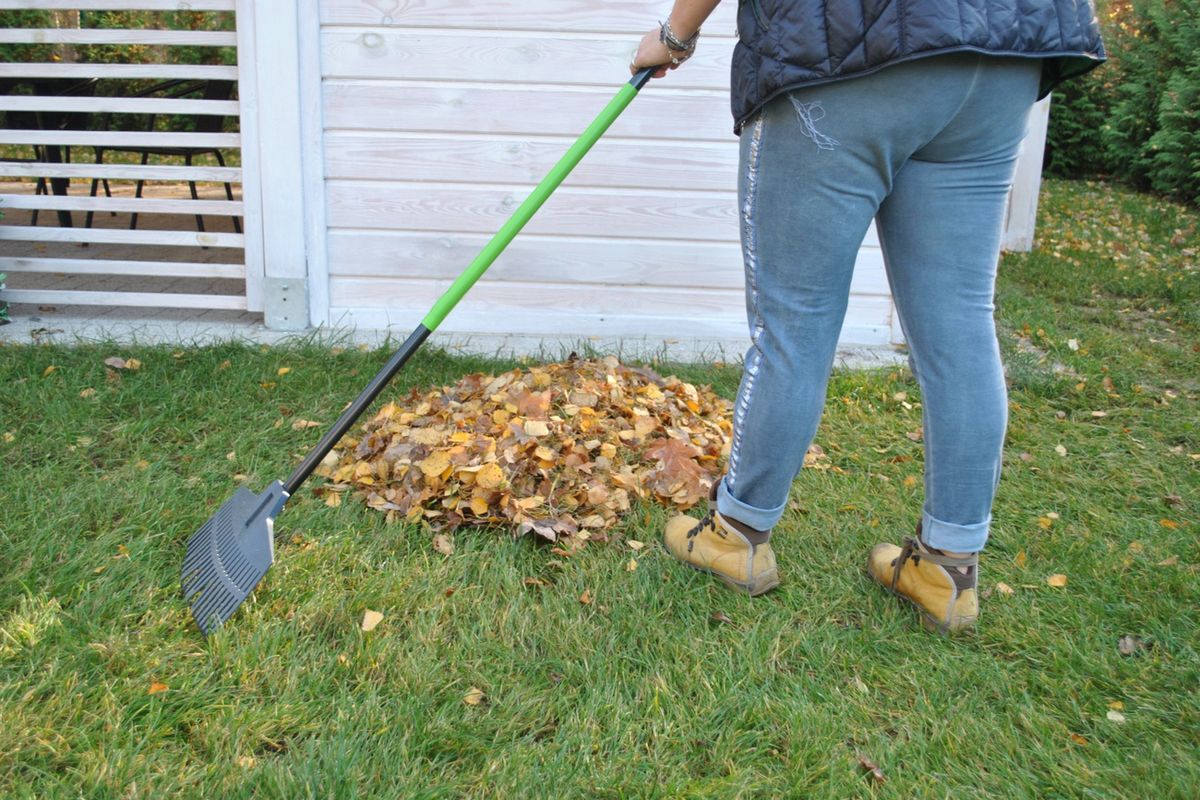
(750, 256)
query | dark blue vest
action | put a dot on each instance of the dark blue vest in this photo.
(785, 44)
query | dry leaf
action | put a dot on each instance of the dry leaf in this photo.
(916, 435)
(1073, 344)
(88, 392)
(333, 499)
(443, 544)
(1045, 522)
(1116, 705)
(301, 424)
(1020, 559)
(283, 371)
(1062, 451)
(50, 370)
(1169, 561)
(370, 620)
(586, 597)
(871, 768)
(246, 762)
(1004, 588)
(1099, 414)
(1169, 524)
(1115, 716)
(474, 697)
(157, 688)
(1079, 740)
(1057, 580)
(632, 565)
(634, 544)
(9, 437)
(1130, 645)
(721, 617)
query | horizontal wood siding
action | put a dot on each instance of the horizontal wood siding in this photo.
(441, 115)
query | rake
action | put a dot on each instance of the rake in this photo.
(230, 553)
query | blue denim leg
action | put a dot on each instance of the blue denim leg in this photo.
(928, 146)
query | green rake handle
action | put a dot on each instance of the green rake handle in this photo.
(471, 274)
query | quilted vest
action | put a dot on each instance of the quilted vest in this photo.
(785, 44)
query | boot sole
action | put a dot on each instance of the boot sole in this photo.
(928, 621)
(763, 585)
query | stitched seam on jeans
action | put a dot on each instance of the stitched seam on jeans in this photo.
(756, 329)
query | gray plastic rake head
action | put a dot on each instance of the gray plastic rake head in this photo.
(230, 553)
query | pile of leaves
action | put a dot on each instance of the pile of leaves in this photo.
(560, 450)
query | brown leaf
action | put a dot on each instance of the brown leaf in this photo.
(916, 435)
(721, 617)
(1079, 740)
(1004, 589)
(1132, 645)
(1169, 561)
(586, 597)
(1173, 500)
(443, 544)
(370, 620)
(302, 424)
(474, 697)
(871, 768)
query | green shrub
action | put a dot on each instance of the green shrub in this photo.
(1138, 117)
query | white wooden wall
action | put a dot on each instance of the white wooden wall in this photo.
(441, 115)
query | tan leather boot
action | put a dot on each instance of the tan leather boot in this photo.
(931, 581)
(739, 556)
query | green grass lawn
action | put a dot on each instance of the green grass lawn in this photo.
(666, 684)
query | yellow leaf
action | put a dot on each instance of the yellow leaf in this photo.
(535, 427)
(301, 424)
(231, 455)
(490, 476)
(333, 499)
(133, 363)
(634, 544)
(1020, 559)
(142, 464)
(246, 762)
(283, 371)
(474, 696)
(586, 597)
(8, 437)
(1045, 522)
(632, 565)
(1079, 740)
(49, 371)
(157, 688)
(1169, 524)
(910, 481)
(371, 619)
(88, 392)
(1057, 580)
(1062, 451)
(435, 464)
(1004, 588)
(479, 506)
(1117, 705)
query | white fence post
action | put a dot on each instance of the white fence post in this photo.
(1021, 220)
(276, 244)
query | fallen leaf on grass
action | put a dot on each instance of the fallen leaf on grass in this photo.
(301, 424)
(283, 371)
(333, 499)
(721, 617)
(632, 565)
(247, 762)
(443, 544)
(1004, 589)
(1116, 705)
(1169, 561)
(1173, 500)
(1115, 716)
(157, 688)
(634, 544)
(1020, 559)
(1169, 524)
(871, 768)
(9, 438)
(1057, 580)
(586, 597)
(474, 696)
(1079, 740)
(916, 435)
(1062, 451)
(88, 392)
(370, 620)
(1131, 645)
(116, 362)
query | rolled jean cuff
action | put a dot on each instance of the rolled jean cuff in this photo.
(955, 538)
(757, 518)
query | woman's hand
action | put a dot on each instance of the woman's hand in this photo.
(651, 52)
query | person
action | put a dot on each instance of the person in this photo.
(910, 113)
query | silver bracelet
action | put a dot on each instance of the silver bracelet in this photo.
(673, 42)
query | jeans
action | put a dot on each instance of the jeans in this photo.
(927, 149)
